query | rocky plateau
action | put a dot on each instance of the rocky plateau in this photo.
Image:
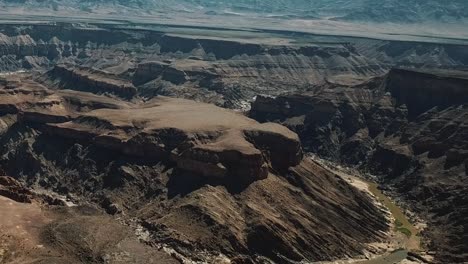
(202, 180)
(137, 143)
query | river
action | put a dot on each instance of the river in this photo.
(406, 234)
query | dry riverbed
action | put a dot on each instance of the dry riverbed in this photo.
(403, 236)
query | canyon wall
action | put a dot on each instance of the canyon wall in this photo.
(409, 127)
(228, 73)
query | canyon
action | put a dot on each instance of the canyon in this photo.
(193, 144)
(408, 128)
(203, 180)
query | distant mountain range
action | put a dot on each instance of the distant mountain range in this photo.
(408, 11)
(395, 11)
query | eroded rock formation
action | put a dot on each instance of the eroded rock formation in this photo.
(95, 81)
(202, 180)
(198, 137)
(14, 190)
(409, 127)
(226, 72)
(169, 162)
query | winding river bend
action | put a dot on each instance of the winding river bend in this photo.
(406, 234)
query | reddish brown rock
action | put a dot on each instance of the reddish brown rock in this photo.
(201, 138)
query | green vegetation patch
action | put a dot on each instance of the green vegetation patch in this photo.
(402, 224)
(405, 231)
(399, 226)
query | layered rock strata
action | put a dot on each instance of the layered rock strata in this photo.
(226, 72)
(205, 183)
(408, 127)
(97, 82)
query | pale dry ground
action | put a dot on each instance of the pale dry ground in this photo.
(20, 228)
(30, 234)
(437, 33)
(187, 116)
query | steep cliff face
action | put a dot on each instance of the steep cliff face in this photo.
(202, 180)
(409, 127)
(327, 117)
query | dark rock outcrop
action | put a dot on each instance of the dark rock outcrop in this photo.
(148, 71)
(12, 189)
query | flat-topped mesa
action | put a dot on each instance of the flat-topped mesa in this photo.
(178, 72)
(96, 82)
(197, 137)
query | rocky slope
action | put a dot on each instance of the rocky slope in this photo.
(43, 230)
(93, 81)
(204, 183)
(409, 127)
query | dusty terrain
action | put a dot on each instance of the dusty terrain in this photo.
(36, 232)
